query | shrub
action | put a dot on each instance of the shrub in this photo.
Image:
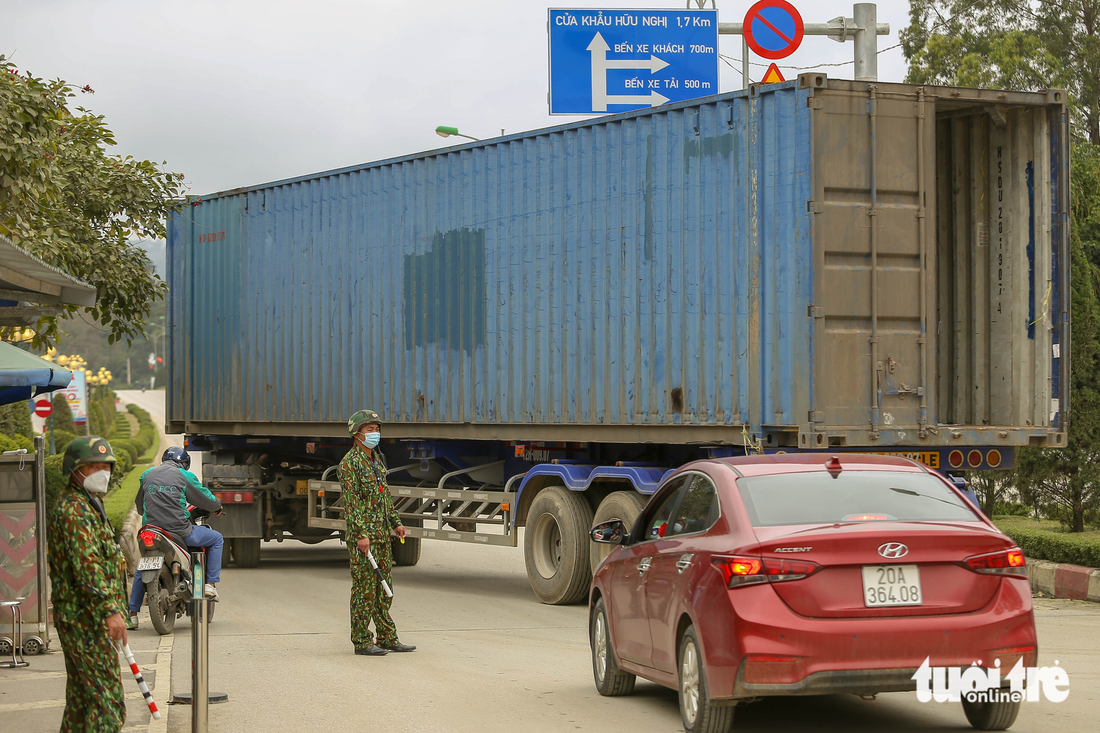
(62, 417)
(55, 481)
(61, 439)
(125, 445)
(1056, 547)
(7, 442)
(15, 419)
(1012, 509)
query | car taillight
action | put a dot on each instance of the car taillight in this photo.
(1002, 562)
(770, 669)
(1010, 655)
(147, 537)
(749, 570)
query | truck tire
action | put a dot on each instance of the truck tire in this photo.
(246, 551)
(405, 554)
(555, 546)
(621, 505)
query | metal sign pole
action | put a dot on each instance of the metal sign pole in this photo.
(40, 531)
(200, 649)
(863, 28)
(866, 44)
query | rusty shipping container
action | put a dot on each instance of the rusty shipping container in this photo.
(817, 263)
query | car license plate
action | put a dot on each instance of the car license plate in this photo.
(891, 585)
(153, 562)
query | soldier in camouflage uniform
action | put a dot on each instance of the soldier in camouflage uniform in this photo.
(370, 515)
(88, 577)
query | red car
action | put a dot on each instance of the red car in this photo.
(805, 575)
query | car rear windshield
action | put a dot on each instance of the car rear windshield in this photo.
(852, 496)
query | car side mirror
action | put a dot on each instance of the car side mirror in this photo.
(609, 533)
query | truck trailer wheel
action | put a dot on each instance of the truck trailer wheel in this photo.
(621, 505)
(246, 551)
(555, 546)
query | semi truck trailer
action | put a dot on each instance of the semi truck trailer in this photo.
(549, 322)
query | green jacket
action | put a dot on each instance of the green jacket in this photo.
(368, 506)
(87, 570)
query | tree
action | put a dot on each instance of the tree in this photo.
(62, 416)
(66, 200)
(991, 488)
(1029, 45)
(15, 419)
(1066, 482)
(1010, 44)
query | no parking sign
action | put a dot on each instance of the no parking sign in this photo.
(773, 29)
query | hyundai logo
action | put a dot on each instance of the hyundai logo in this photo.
(893, 550)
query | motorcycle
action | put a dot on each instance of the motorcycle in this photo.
(166, 572)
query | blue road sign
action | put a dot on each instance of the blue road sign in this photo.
(606, 61)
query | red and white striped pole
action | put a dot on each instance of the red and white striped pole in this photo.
(141, 681)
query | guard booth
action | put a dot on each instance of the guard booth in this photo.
(23, 549)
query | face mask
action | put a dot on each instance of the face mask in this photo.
(97, 482)
(370, 440)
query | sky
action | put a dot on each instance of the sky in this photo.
(239, 92)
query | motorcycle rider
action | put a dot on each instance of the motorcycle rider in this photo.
(166, 491)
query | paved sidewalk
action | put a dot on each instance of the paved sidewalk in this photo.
(32, 699)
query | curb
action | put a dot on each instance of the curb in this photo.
(1062, 580)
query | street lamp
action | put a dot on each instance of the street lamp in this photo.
(444, 131)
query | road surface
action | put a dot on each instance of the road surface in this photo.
(492, 658)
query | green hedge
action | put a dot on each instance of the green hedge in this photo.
(15, 419)
(146, 439)
(1040, 544)
(125, 445)
(15, 442)
(61, 439)
(55, 481)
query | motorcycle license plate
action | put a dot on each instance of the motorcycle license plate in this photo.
(891, 585)
(150, 563)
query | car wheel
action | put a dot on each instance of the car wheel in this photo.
(697, 711)
(610, 680)
(555, 546)
(998, 715)
(622, 505)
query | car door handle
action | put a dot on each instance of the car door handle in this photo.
(644, 565)
(684, 562)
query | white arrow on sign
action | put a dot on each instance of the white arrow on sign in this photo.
(600, 65)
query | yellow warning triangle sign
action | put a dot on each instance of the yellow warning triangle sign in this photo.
(772, 75)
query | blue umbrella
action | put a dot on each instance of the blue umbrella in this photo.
(24, 376)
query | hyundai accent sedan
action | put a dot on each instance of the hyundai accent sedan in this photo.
(805, 574)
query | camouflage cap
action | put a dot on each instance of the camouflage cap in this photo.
(357, 420)
(86, 449)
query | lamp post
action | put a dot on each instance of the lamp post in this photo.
(444, 131)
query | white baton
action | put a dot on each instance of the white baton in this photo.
(378, 572)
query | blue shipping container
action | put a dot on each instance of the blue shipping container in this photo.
(783, 262)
